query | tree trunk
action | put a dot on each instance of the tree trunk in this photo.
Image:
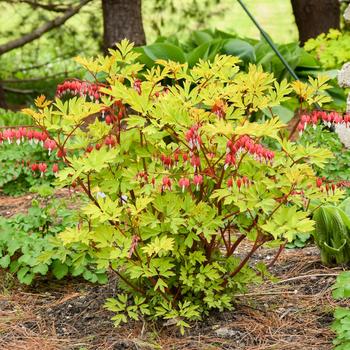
(3, 103)
(122, 19)
(314, 17)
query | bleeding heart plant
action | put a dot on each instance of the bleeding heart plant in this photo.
(179, 176)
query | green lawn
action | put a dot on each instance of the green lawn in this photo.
(275, 16)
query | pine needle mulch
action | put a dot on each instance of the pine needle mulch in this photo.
(293, 313)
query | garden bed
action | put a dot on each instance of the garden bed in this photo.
(10, 206)
(294, 313)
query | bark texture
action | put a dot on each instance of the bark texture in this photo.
(3, 103)
(122, 19)
(314, 17)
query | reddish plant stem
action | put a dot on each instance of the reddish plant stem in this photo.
(227, 243)
(129, 283)
(235, 245)
(231, 214)
(71, 133)
(255, 247)
(209, 248)
(282, 202)
(280, 250)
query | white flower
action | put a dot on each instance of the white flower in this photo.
(100, 195)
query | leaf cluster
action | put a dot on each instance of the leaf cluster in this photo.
(174, 247)
(29, 245)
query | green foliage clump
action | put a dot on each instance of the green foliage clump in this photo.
(337, 168)
(206, 44)
(332, 235)
(178, 176)
(341, 323)
(331, 49)
(10, 118)
(16, 177)
(300, 241)
(29, 245)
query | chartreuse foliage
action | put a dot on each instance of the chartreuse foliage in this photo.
(331, 49)
(206, 44)
(181, 177)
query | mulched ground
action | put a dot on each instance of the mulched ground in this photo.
(292, 314)
(12, 205)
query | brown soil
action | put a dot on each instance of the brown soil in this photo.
(292, 314)
(20, 204)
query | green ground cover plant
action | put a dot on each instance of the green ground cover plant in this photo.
(30, 247)
(341, 323)
(337, 168)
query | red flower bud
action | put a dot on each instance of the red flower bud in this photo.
(34, 167)
(55, 168)
(61, 153)
(166, 183)
(195, 162)
(319, 182)
(108, 119)
(137, 86)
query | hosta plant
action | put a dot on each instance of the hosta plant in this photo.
(332, 232)
(178, 177)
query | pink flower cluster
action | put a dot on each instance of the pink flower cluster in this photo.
(246, 144)
(78, 88)
(167, 161)
(193, 138)
(172, 160)
(183, 182)
(25, 134)
(143, 177)
(240, 181)
(42, 168)
(110, 141)
(323, 184)
(328, 118)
